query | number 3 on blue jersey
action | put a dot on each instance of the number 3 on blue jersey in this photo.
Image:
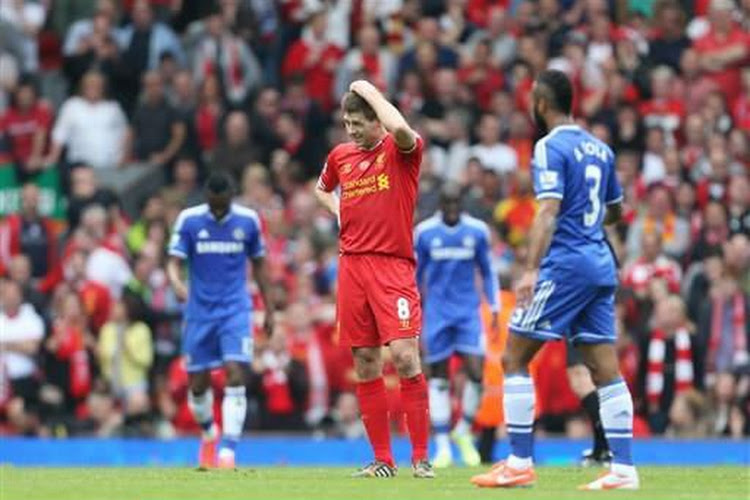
(571, 165)
(593, 174)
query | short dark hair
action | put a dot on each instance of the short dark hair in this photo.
(556, 87)
(219, 182)
(451, 191)
(354, 103)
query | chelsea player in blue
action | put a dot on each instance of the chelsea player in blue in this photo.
(450, 247)
(216, 239)
(567, 289)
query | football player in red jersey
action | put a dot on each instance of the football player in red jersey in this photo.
(377, 172)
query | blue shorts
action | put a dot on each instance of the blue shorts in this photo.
(442, 338)
(567, 308)
(208, 344)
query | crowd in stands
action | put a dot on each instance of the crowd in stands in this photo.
(89, 327)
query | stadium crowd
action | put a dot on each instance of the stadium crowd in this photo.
(90, 329)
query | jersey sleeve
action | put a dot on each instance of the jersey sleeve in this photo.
(179, 243)
(548, 169)
(413, 157)
(256, 247)
(329, 177)
(614, 191)
(489, 278)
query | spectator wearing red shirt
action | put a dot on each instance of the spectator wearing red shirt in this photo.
(652, 264)
(30, 233)
(95, 298)
(694, 86)
(209, 114)
(281, 383)
(664, 109)
(481, 76)
(741, 106)
(316, 59)
(724, 48)
(27, 124)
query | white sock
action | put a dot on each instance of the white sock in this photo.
(443, 442)
(233, 409)
(202, 408)
(616, 410)
(518, 403)
(469, 403)
(440, 412)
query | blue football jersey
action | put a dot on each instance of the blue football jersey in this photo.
(575, 167)
(447, 259)
(216, 252)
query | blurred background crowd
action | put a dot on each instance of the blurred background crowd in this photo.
(90, 330)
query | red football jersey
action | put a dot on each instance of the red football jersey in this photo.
(378, 196)
(21, 128)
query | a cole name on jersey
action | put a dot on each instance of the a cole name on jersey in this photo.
(590, 148)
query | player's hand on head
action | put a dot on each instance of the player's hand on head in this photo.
(362, 87)
(525, 288)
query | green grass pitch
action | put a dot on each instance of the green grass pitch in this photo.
(289, 483)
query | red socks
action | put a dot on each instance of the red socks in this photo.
(416, 407)
(373, 404)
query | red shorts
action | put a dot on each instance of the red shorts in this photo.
(378, 301)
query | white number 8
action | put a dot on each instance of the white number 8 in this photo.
(402, 308)
(594, 173)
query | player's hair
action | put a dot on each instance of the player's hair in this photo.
(556, 87)
(354, 103)
(451, 190)
(219, 182)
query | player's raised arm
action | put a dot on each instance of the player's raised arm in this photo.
(390, 117)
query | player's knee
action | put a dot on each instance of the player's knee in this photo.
(603, 375)
(199, 383)
(439, 369)
(367, 364)
(407, 362)
(474, 375)
(235, 373)
(511, 364)
(580, 380)
(474, 368)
